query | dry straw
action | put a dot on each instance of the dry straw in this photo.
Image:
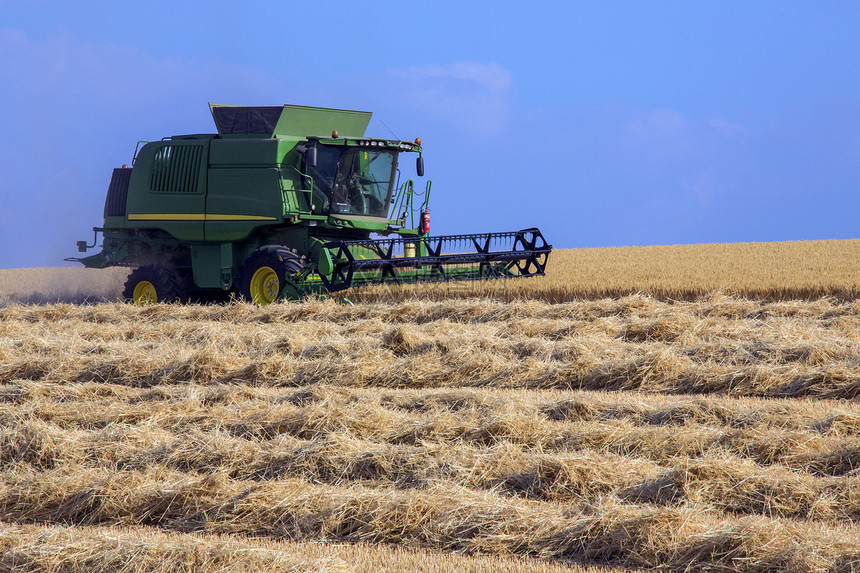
(713, 434)
(717, 345)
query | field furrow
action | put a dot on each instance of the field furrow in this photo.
(724, 483)
(440, 517)
(139, 549)
(693, 348)
(716, 434)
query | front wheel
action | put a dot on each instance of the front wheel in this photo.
(153, 283)
(265, 273)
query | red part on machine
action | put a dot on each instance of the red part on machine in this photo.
(424, 226)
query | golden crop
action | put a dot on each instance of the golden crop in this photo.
(805, 270)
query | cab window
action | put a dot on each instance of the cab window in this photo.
(364, 182)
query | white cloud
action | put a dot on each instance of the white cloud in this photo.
(658, 135)
(665, 135)
(702, 186)
(491, 76)
(473, 95)
(727, 129)
(659, 123)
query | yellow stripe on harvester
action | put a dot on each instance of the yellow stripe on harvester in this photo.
(196, 217)
(239, 218)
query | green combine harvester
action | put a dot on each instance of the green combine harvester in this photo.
(284, 202)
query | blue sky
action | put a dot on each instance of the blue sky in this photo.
(715, 122)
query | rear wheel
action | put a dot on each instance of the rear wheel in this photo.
(153, 283)
(265, 273)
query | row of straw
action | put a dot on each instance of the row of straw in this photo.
(733, 347)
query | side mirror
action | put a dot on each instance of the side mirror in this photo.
(419, 166)
(311, 156)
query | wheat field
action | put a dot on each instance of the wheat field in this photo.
(682, 423)
(794, 270)
(805, 270)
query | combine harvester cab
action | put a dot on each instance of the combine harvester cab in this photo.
(284, 202)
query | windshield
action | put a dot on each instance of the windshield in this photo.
(353, 181)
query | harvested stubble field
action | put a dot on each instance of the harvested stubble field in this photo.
(502, 433)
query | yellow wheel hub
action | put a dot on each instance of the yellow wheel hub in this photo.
(144, 293)
(265, 286)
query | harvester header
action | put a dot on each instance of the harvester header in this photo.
(285, 201)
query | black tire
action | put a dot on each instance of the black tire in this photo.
(265, 271)
(154, 283)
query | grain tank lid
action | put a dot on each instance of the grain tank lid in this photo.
(294, 120)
